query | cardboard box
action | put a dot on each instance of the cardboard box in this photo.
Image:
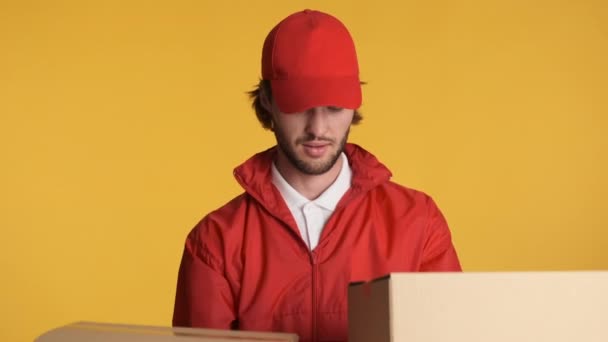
(493, 307)
(101, 332)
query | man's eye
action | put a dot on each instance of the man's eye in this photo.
(334, 108)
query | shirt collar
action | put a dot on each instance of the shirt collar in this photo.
(291, 196)
(327, 200)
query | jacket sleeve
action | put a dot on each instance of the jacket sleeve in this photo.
(203, 297)
(439, 253)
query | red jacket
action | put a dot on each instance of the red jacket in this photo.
(245, 265)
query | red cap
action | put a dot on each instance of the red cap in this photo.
(310, 60)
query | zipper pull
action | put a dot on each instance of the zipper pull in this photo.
(314, 258)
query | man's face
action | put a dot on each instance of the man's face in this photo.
(313, 140)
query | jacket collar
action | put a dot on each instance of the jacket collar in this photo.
(255, 176)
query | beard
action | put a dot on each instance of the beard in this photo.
(306, 167)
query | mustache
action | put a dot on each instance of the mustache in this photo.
(312, 137)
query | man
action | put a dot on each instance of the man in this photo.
(317, 212)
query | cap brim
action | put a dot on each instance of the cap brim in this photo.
(293, 96)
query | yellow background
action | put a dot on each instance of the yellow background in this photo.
(121, 122)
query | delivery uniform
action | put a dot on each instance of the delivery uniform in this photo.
(247, 265)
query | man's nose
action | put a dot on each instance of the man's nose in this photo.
(317, 121)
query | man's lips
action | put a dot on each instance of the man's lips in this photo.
(315, 149)
(315, 144)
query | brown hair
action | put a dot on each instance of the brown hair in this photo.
(262, 92)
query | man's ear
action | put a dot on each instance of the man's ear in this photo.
(265, 99)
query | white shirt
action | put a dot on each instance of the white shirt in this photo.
(311, 216)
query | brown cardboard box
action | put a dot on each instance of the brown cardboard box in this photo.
(493, 307)
(101, 332)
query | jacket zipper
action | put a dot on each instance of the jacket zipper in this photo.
(313, 259)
